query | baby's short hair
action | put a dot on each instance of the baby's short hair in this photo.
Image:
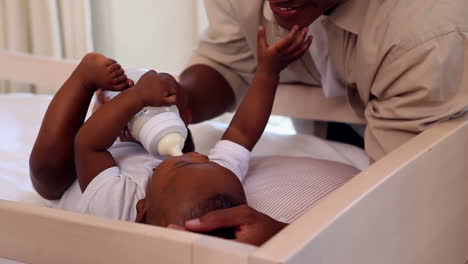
(215, 202)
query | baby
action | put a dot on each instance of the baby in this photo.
(87, 172)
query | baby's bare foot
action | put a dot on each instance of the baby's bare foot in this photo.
(98, 71)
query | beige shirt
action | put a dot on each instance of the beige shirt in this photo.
(402, 62)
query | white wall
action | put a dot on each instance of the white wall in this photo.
(147, 33)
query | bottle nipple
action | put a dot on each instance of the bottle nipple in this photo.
(171, 145)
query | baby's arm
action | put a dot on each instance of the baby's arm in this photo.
(105, 125)
(52, 161)
(252, 116)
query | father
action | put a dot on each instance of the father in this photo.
(403, 65)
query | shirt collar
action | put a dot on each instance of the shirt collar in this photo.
(350, 15)
(267, 13)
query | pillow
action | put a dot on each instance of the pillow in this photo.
(288, 174)
(287, 187)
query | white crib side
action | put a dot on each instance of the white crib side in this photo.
(409, 207)
(33, 234)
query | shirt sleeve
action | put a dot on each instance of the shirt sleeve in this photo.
(223, 46)
(426, 85)
(232, 156)
(112, 195)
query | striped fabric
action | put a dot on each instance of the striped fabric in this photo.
(287, 187)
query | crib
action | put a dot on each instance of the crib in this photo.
(409, 207)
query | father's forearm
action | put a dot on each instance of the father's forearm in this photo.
(209, 94)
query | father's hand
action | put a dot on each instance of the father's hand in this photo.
(251, 226)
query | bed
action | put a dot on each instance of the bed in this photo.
(409, 207)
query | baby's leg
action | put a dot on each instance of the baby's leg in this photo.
(52, 160)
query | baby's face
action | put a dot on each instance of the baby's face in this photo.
(180, 183)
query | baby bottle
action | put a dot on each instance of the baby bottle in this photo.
(160, 130)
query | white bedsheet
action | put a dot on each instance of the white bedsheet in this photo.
(21, 115)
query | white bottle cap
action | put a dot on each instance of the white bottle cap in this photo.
(157, 128)
(171, 145)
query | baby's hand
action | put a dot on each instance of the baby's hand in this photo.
(157, 89)
(274, 58)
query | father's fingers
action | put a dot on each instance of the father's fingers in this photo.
(231, 217)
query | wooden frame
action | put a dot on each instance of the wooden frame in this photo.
(409, 207)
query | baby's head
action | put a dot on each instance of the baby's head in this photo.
(186, 187)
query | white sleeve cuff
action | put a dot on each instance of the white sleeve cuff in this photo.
(232, 156)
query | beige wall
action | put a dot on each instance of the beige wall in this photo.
(147, 33)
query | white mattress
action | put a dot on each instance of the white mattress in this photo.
(21, 115)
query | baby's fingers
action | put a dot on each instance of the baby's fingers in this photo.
(297, 44)
(288, 40)
(262, 42)
(300, 51)
(170, 100)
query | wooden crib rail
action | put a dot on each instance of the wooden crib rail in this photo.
(43, 71)
(305, 102)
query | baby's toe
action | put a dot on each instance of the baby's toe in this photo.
(119, 80)
(110, 62)
(117, 73)
(113, 67)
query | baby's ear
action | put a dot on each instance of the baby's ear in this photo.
(141, 211)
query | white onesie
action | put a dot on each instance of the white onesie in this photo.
(115, 192)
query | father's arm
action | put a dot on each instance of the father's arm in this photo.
(209, 93)
(416, 89)
(221, 67)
